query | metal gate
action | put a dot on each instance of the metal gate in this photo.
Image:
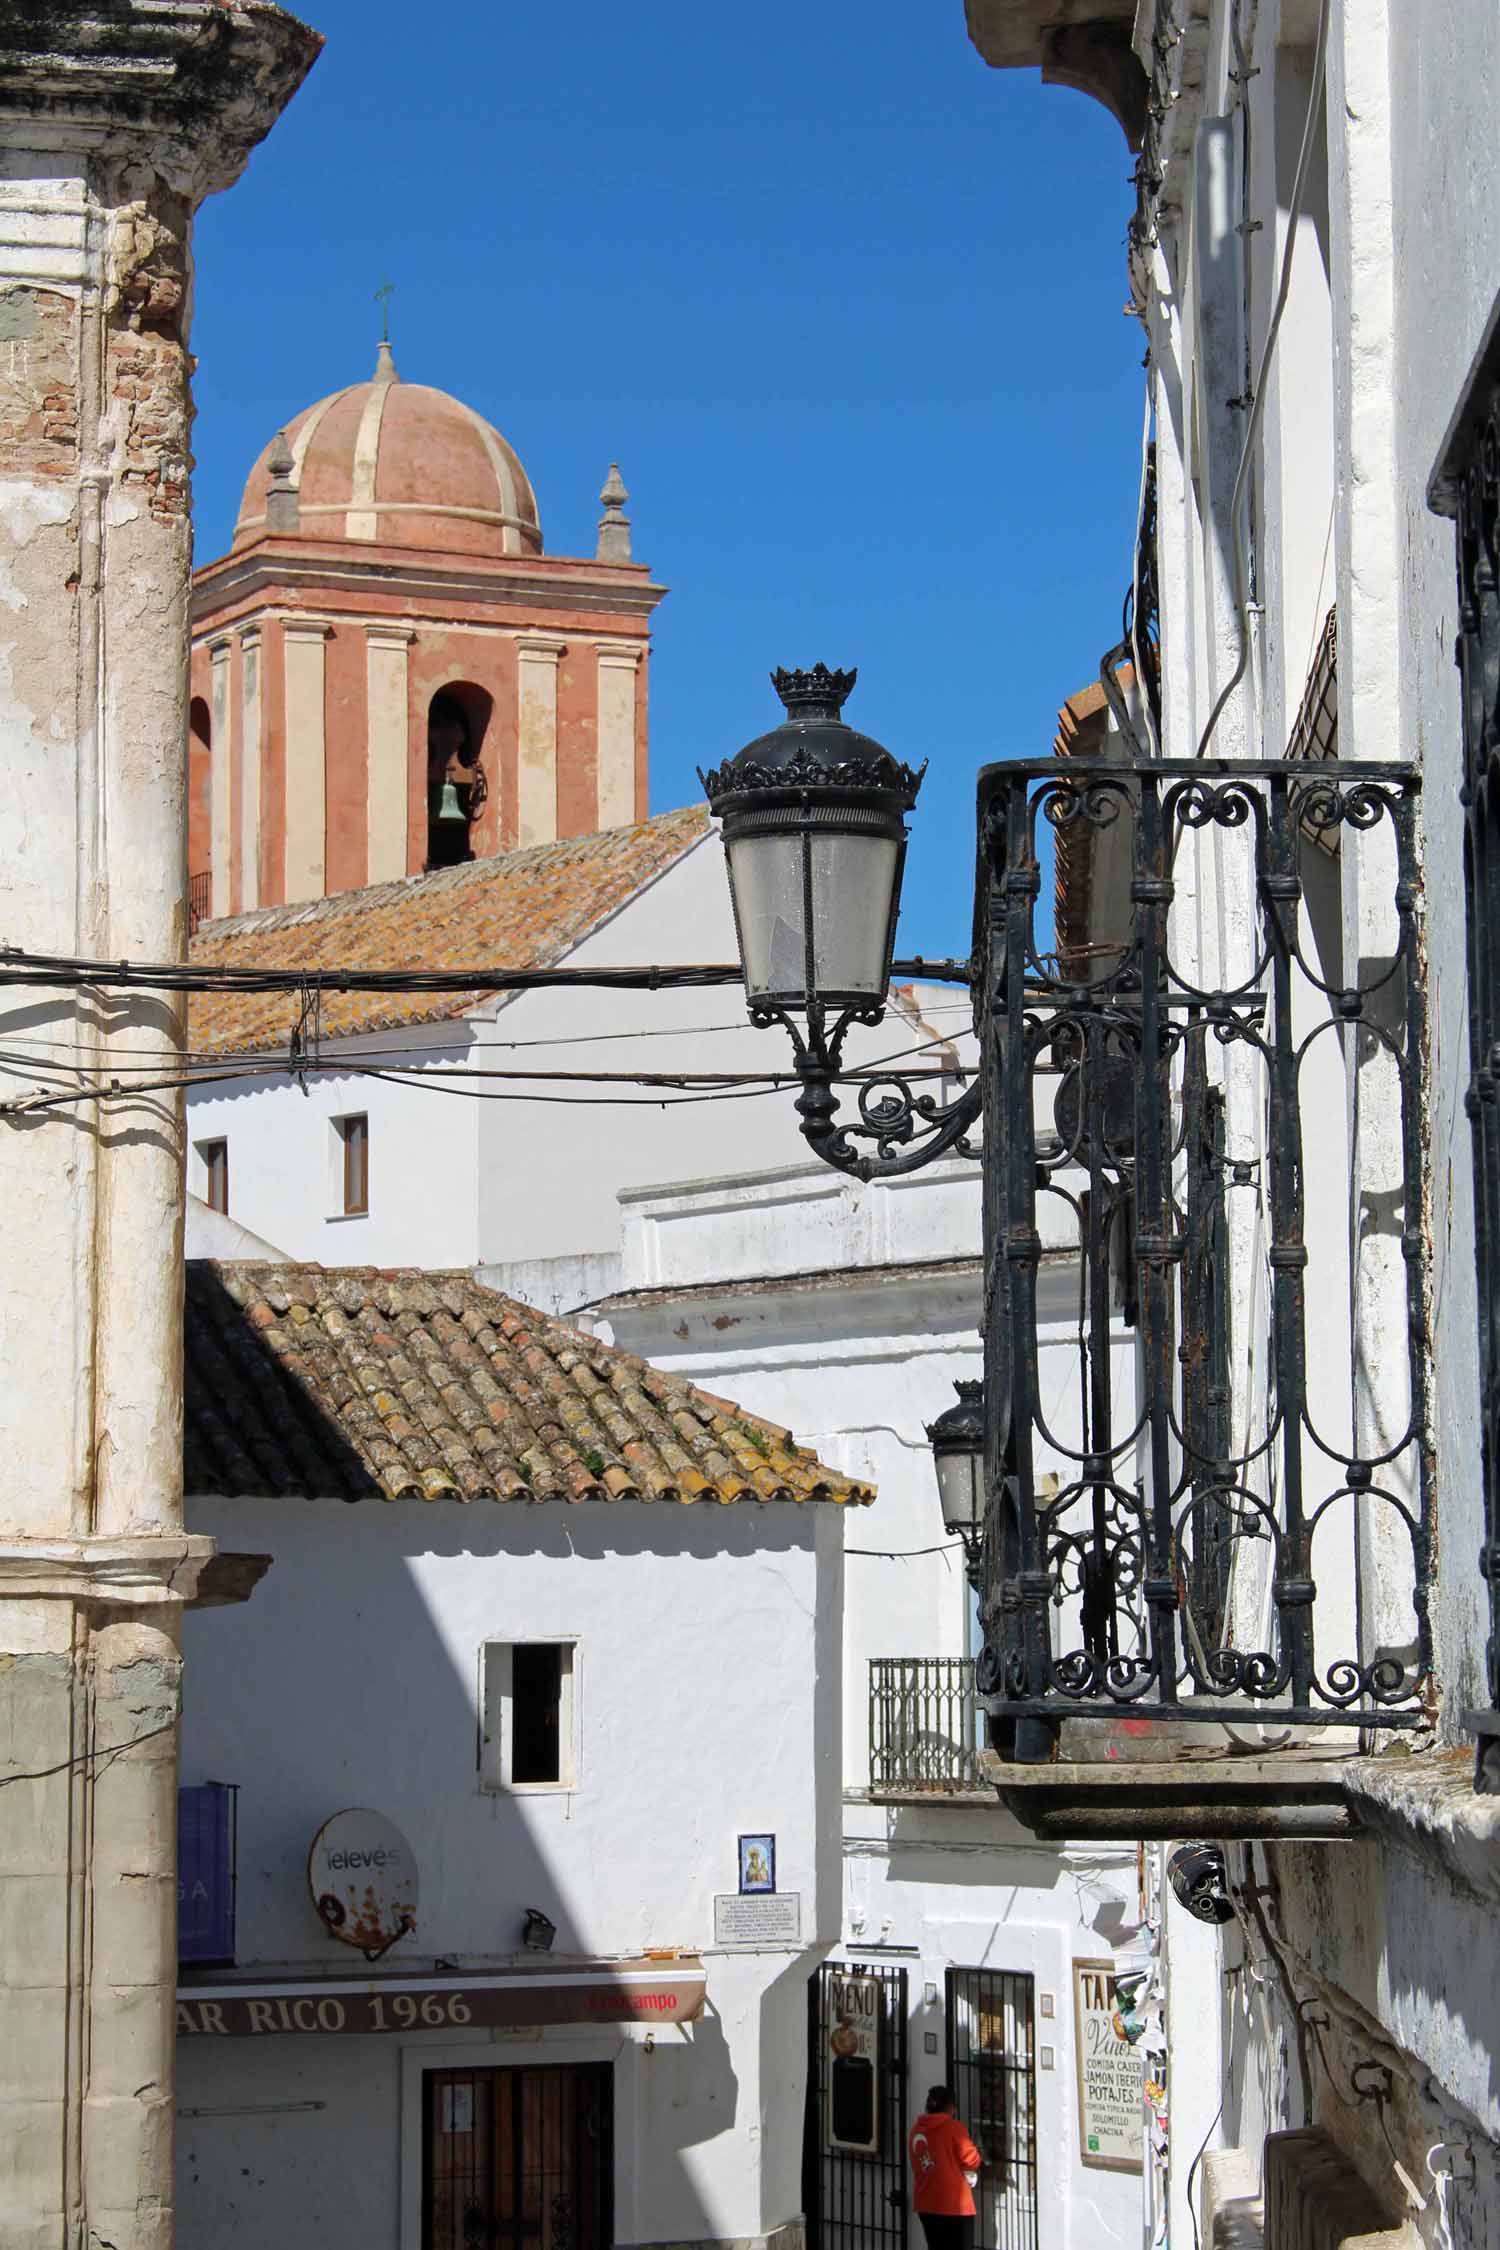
(518, 2159)
(854, 2152)
(992, 2071)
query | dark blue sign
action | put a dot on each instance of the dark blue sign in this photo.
(205, 1872)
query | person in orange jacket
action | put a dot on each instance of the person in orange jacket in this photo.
(944, 2163)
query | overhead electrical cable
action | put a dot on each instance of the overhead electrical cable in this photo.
(63, 971)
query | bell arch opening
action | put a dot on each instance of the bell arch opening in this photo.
(199, 810)
(458, 718)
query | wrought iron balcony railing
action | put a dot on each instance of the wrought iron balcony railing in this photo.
(1208, 1497)
(925, 1728)
(200, 899)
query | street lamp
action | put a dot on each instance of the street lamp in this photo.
(957, 1441)
(815, 838)
(1108, 1057)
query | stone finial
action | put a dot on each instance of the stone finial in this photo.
(282, 510)
(385, 365)
(614, 524)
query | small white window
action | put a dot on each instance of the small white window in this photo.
(527, 1711)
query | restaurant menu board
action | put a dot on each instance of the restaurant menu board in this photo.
(853, 2119)
(1110, 2129)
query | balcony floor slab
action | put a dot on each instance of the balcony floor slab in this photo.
(1298, 1796)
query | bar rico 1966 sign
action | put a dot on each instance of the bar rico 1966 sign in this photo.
(630, 1993)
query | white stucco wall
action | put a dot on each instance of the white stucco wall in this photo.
(531, 1173)
(849, 1312)
(285, 1164)
(708, 1692)
(1390, 296)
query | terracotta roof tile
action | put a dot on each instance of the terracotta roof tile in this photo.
(523, 910)
(355, 1384)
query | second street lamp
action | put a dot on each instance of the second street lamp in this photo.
(957, 1441)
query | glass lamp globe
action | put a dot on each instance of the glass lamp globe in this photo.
(957, 1441)
(815, 840)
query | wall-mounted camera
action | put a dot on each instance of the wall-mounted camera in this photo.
(1197, 1875)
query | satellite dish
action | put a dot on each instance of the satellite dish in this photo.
(363, 1877)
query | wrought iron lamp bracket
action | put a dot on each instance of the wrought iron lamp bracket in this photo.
(908, 1129)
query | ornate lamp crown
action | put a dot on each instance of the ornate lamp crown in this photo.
(813, 749)
(818, 694)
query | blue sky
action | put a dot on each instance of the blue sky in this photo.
(844, 303)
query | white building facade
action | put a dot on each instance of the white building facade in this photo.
(853, 1311)
(576, 1636)
(846, 1314)
(1315, 256)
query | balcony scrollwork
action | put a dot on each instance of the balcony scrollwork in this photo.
(1198, 1508)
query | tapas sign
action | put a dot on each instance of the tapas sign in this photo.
(1111, 2133)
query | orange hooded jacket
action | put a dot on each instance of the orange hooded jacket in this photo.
(941, 2152)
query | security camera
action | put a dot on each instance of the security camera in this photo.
(1197, 1876)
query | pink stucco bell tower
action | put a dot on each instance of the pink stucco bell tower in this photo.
(388, 672)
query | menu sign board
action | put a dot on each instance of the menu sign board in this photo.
(853, 2119)
(1110, 2127)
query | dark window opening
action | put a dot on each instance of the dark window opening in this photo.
(536, 1710)
(354, 1139)
(215, 1156)
(457, 785)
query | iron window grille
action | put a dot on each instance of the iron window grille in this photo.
(1188, 1518)
(991, 2015)
(518, 2154)
(854, 2173)
(923, 1726)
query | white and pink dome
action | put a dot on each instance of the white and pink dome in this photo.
(402, 465)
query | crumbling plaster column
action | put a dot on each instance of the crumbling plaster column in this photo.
(115, 121)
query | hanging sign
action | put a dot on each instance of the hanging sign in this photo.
(853, 2021)
(1110, 2127)
(363, 1877)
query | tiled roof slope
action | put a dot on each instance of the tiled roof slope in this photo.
(522, 910)
(356, 1384)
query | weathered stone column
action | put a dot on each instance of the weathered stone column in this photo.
(115, 121)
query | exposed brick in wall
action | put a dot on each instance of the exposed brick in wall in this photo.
(145, 372)
(38, 382)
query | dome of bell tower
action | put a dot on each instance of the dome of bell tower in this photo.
(395, 464)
